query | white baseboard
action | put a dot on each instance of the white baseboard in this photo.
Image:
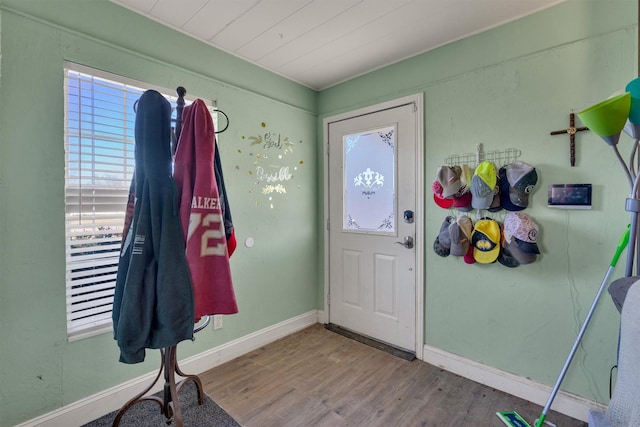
(323, 317)
(99, 404)
(566, 403)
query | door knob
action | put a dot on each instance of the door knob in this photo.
(408, 242)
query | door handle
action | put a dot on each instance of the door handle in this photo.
(408, 242)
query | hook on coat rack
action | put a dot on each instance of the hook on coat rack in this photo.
(181, 91)
(225, 116)
(179, 107)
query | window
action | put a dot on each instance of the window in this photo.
(99, 164)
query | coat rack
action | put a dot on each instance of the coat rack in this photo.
(169, 404)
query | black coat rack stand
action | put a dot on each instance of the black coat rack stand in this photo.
(169, 404)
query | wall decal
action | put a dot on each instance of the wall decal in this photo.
(274, 166)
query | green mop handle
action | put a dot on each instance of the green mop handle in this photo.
(622, 244)
(624, 241)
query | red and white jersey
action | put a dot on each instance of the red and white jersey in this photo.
(201, 214)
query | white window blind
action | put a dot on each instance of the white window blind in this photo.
(99, 165)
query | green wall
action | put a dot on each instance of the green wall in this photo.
(40, 370)
(505, 88)
(508, 88)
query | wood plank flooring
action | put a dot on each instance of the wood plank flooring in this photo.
(319, 378)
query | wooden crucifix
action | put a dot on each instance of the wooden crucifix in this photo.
(571, 130)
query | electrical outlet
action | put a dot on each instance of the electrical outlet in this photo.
(217, 322)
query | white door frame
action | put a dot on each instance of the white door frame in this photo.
(417, 99)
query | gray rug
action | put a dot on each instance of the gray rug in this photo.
(148, 413)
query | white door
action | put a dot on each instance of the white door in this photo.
(372, 223)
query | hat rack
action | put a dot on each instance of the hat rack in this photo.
(498, 157)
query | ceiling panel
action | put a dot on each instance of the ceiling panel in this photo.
(256, 21)
(212, 19)
(305, 20)
(340, 26)
(320, 43)
(166, 11)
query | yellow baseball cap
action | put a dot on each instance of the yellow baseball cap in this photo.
(486, 241)
(487, 172)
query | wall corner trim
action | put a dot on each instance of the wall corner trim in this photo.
(99, 404)
(566, 403)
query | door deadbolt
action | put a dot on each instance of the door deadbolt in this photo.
(408, 217)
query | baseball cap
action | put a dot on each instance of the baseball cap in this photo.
(522, 257)
(505, 257)
(462, 202)
(459, 240)
(442, 244)
(487, 171)
(486, 241)
(468, 258)
(482, 185)
(520, 229)
(522, 179)
(505, 200)
(449, 179)
(437, 196)
(496, 204)
(466, 225)
(482, 194)
(465, 178)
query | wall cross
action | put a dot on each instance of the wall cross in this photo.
(571, 130)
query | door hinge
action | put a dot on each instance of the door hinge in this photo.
(328, 298)
(328, 224)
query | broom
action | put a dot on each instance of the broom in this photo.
(512, 418)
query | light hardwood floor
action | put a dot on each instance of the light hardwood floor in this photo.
(319, 378)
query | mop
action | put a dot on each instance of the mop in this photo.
(512, 418)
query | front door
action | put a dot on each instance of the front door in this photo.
(372, 224)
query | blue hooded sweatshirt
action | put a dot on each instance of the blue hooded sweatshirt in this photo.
(153, 305)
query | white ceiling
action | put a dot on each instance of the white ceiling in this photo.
(320, 43)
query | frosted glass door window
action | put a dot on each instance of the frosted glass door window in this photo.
(369, 181)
